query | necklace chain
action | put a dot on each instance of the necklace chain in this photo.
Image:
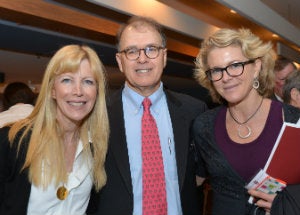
(250, 117)
(243, 123)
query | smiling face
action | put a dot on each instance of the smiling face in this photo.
(75, 94)
(143, 74)
(233, 89)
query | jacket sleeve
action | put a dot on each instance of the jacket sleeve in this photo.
(287, 201)
(4, 160)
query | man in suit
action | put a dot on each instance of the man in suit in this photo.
(142, 56)
(283, 67)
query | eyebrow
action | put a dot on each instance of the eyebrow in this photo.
(134, 46)
(230, 63)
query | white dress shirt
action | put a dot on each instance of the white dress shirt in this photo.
(79, 185)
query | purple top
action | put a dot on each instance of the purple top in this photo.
(247, 159)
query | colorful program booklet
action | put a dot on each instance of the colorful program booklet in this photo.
(265, 183)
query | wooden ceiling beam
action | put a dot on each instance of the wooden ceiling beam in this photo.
(67, 19)
(41, 14)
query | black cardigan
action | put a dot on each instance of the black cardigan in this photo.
(14, 184)
(227, 186)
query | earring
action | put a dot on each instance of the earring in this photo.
(255, 83)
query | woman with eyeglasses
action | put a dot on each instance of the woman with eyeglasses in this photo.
(235, 139)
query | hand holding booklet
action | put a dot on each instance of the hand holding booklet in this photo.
(283, 165)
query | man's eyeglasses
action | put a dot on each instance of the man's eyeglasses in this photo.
(134, 53)
(233, 70)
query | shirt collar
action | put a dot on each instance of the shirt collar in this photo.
(134, 100)
(278, 97)
(79, 149)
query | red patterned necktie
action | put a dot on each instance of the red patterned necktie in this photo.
(154, 185)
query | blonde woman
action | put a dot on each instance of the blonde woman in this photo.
(235, 139)
(50, 160)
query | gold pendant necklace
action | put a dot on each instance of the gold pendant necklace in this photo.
(62, 193)
(242, 124)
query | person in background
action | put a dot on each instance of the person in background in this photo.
(142, 56)
(18, 102)
(234, 140)
(283, 67)
(291, 89)
(47, 160)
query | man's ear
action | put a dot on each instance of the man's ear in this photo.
(294, 93)
(119, 61)
(165, 56)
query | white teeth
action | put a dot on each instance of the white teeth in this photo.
(143, 70)
(76, 103)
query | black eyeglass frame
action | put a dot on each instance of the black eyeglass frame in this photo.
(146, 49)
(209, 76)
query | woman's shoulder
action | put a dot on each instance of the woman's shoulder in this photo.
(4, 138)
(210, 113)
(4, 131)
(207, 118)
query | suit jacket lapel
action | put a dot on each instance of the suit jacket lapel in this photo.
(118, 145)
(181, 135)
(117, 141)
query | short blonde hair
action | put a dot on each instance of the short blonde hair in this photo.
(252, 48)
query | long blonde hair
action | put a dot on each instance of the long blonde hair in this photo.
(45, 155)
